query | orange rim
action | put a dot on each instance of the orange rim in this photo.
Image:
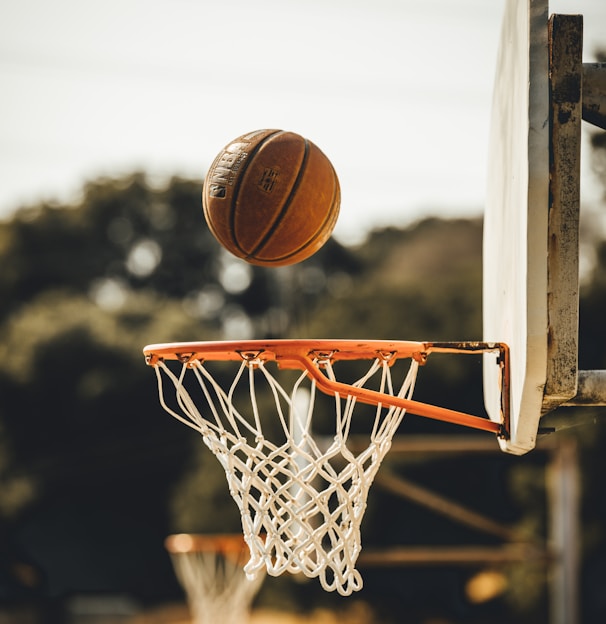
(308, 355)
(282, 351)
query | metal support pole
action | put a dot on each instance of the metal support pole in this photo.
(591, 391)
(564, 534)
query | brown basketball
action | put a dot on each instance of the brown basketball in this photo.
(271, 197)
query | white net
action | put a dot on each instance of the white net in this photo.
(301, 499)
(217, 589)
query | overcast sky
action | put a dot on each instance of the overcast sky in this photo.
(396, 92)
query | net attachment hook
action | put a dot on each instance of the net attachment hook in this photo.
(185, 358)
(322, 359)
(252, 358)
(420, 357)
(387, 356)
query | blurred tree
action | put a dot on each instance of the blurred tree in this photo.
(422, 283)
(72, 376)
(91, 453)
(125, 236)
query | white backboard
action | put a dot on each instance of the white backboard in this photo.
(515, 252)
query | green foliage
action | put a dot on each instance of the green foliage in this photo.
(72, 378)
(423, 283)
(199, 502)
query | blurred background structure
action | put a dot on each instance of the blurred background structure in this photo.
(210, 568)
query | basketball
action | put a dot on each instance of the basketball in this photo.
(271, 197)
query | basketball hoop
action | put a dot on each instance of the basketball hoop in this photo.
(210, 570)
(307, 499)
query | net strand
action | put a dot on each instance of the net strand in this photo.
(306, 499)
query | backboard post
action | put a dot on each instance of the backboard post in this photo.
(565, 99)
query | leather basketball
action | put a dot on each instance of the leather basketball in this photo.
(271, 197)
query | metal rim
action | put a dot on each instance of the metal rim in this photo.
(309, 355)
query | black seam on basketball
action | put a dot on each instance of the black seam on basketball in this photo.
(332, 215)
(285, 205)
(234, 197)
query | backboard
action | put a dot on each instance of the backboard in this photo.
(530, 248)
